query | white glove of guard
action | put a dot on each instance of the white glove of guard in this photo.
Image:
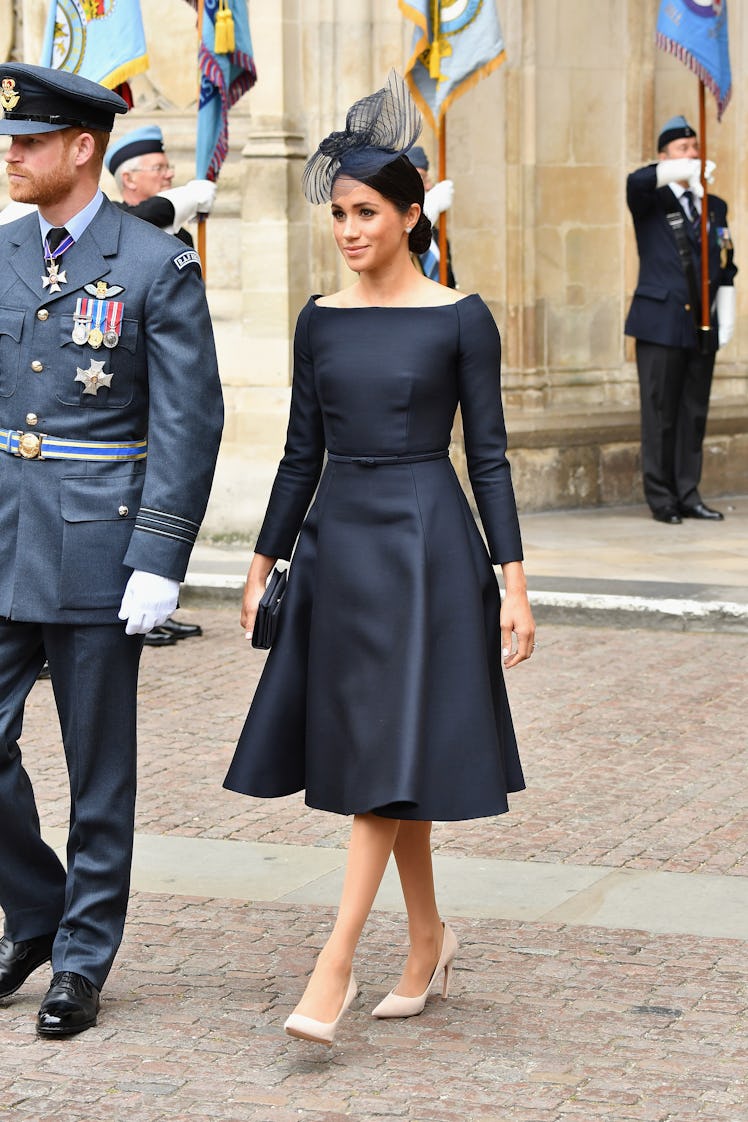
(196, 197)
(685, 170)
(438, 199)
(15, 210)
(725, 313)
(148, 601)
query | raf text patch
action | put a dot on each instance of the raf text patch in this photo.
(190, 257)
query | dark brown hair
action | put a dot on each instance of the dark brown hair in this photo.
(401, 183)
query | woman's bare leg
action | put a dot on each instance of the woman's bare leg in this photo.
(372, 839)
(412, 851)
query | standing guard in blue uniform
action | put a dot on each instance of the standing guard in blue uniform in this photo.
(674, 366)
(110, 419)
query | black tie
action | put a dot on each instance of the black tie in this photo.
(693, 214)
(55, 236)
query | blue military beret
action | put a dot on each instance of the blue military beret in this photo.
(418, 158)
(139, 142)
(38, 99)
(674, 129)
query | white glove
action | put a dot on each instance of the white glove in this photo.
(685, 170)
(196, 197)
(148, 601)
(438, 199)
(15, 210)
(725, 313)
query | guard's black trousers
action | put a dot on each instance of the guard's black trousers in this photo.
(94, 672)
(674, 387)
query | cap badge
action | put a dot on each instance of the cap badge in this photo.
(9, 97)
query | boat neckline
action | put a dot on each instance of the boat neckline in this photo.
(389, 307)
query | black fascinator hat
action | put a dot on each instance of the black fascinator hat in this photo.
(378, 129)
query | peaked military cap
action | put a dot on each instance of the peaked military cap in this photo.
(675, 129)
(39, 99)
(140, 142)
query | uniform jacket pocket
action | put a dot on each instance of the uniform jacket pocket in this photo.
(11, 326)
(118, 361)
(98, 517)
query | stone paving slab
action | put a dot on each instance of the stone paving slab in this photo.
(545, 1023)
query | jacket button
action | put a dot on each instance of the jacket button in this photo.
(687, 307)
(123, 511)
(37, 366)
(42, 314)
(32, 419)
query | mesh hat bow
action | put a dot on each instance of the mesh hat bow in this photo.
(378, 129)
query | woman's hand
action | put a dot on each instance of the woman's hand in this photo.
(516, 616)
(254, 587)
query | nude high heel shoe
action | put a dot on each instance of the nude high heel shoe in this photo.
(319, 1032)
(394, 1005)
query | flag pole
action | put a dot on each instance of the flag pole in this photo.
(706, 316)
(443, 215)
(202, 248)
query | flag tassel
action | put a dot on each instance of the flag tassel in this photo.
(225, 42)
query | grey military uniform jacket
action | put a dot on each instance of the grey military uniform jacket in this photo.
(71, 531)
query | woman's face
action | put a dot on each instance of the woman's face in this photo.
(369, 229)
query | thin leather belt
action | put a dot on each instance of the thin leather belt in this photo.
(40, 446)
(387, 461)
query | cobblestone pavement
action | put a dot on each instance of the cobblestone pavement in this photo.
(634, 750)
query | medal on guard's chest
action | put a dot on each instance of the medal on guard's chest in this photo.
(93, 378)
(95, 338)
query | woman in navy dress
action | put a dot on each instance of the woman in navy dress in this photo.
(383, 696)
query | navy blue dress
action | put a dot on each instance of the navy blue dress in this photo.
(384, 689)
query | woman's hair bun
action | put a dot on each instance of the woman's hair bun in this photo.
(419, 238)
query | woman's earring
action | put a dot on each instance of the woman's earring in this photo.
(408, 229)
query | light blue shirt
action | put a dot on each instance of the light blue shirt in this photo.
(76, 225)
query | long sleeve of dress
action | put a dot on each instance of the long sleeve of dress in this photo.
(479, 378)
(301, 466)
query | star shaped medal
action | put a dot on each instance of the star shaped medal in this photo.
(93, 378)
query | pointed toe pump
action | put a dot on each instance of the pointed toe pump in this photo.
(319, 1032)
(394, 1005)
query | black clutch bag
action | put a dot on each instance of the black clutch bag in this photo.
(268, 611)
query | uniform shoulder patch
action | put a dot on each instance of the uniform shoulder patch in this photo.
(189, 257)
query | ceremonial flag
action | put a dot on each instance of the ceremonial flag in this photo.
(99, 39)
(227, 70)
(695, 31)
(455, 44)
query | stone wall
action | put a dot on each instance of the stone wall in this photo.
(539, 153)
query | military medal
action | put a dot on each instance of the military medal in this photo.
(55, 277)
(93, 378)
(95, 338)
(113, 323)
(82, 322)
(98, 310)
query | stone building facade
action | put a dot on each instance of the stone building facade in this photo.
(539, 153)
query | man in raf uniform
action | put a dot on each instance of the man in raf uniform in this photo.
(674, 358)
(143, 174)
(110, 418)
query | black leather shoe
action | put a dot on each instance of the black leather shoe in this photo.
(19, 960)
(159, 638)
(70, 1006)
(181, 630)
(700, 510)
(668, 514)
(44, 673)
